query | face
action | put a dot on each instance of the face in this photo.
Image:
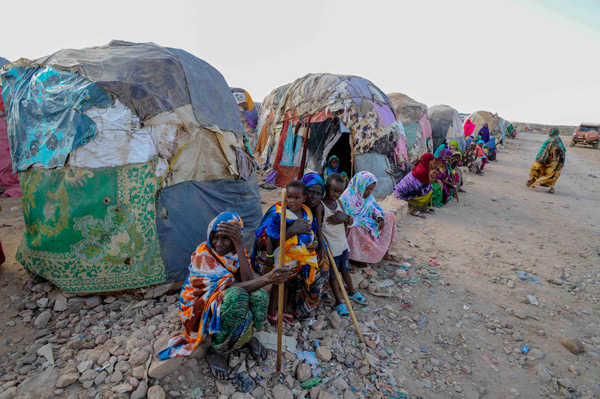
(221, 243)
(369, 190)
(314, 195)
(295, 198)
(334, 163)
(447, 159)
(335, 189)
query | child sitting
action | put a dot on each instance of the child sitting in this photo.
(334, 225)
(300, 244)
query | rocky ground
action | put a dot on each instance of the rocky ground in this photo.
(506, 267)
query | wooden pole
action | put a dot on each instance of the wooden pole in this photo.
(338, 277)
(282, 233)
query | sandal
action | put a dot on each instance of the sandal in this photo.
(289, 319)
(257, 349)
(358, 298)
(342, 310)
(213, 367)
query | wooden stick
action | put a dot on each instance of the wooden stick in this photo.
(338, 276)
(282, 233)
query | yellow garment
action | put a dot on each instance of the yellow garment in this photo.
(544, 175)
(423, 202)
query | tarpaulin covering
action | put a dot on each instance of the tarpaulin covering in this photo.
(91, 230)
(410, 111)
(9, 181)
(45, 113)
(446, 126)
(151, 79)
(493, 121)
(185, 209)
(3, 61)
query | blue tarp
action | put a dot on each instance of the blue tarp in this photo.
(3, 61)
(185, 210)
(44, 111)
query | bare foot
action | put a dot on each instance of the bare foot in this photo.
(258, 350)
(551, 191)
(219, 364)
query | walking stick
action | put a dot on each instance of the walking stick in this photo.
(282, 227)
(338, 276)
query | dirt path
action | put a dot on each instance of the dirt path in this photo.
(453, 330)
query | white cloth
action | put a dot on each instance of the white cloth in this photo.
(334, 234)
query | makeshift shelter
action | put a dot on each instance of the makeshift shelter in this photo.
(320, 115)
(493, 121)
(9, 181)
(248, 112)
(125, 154)
(446, 126)
(415, 121)
(266, 116)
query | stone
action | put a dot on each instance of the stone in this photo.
(532, 300)
(46, 352)
(42, 320)
(517, 337)
(160, 368)
(520, 313)
(100, 378)
(535, 354)
(60, 305)
(93, 301)
(225, 388)
(140, 392)
(324, 353)
(458, 388)
(566, 382)
(426, 383)
(340, 384)
(401, 273)
(156, 392)
(543, 372)
(314, 392)
(335, 320)
(318, 325)
(139, 358)
(115, 377)
(258, 392)
(88, 375)
(281, 392)
(573, 345)
(325, 395)
(303, 372)
(83, 366)
(122, 388)
(138, 372)
(348, 394)
(510, 284)
(10, 393)
(66, 379)
(37, 385)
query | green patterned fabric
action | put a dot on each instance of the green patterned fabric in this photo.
(241, 312)
(92, 230)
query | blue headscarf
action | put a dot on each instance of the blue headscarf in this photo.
(213, 227)
(491, 144)
(310, 179)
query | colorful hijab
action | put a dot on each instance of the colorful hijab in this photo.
(421, 169)
(491, 145)
(445, 153)
(329, 170)
(468, 141)
(454, 146)
(310, 179)
(552, 143)
(365, 211)
(439, 150)
(469, 127)
(210, 274)
(479, 152)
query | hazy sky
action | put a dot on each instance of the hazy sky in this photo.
(528, 60)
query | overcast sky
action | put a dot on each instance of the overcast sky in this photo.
(527, 60)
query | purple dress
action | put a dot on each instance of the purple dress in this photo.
(410, 187)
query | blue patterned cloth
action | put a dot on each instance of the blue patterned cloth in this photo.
(44, 109)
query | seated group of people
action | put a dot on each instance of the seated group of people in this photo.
(437, 178)
(223, 298)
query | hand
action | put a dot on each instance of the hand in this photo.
(322, 254)
(232, 230)
(300, 226)
(278, 275)
(312, 246)
(337, 218)
(349, 221)
(381, 224)
(270, 261)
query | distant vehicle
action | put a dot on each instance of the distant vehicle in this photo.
(588, 134)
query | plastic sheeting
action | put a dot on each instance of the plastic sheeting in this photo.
(493, 121)
(185, 210)
(45, 113)
(378, 165)
(446, 126)
(150, 79)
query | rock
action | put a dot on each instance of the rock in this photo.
(138, 372)
(115, 377)
(323, 353)
(517, 337)
(532, 300)
(401, 273)
(37, 385)
(122, 388)
(140, 392)
(42, 320)
(160, 368)
(535, 354)
(521, 314)
(10, 393)
(60, 305)
(335, 320)
(46, 351)
(88, 375)
(258, 392)
(156, 392)
(457, 388)
(66, 379)
(510, 284)
(325, 395)
(139, 358)
(543, 372)
(93, 301)
(573, 370)
(494, 198)
(83, 366)
(348, 394)
(573, 345)
(225, 388)
(314, 392)
(100, 378)
(340, 384)
(566, 382)
(303, 372)
(281, 392)
(319, 325)
(426, 383)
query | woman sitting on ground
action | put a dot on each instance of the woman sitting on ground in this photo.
(480, 154)
(416, 188)
(373, 231)
(491, 149)
(221, 297)
(443, 185)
